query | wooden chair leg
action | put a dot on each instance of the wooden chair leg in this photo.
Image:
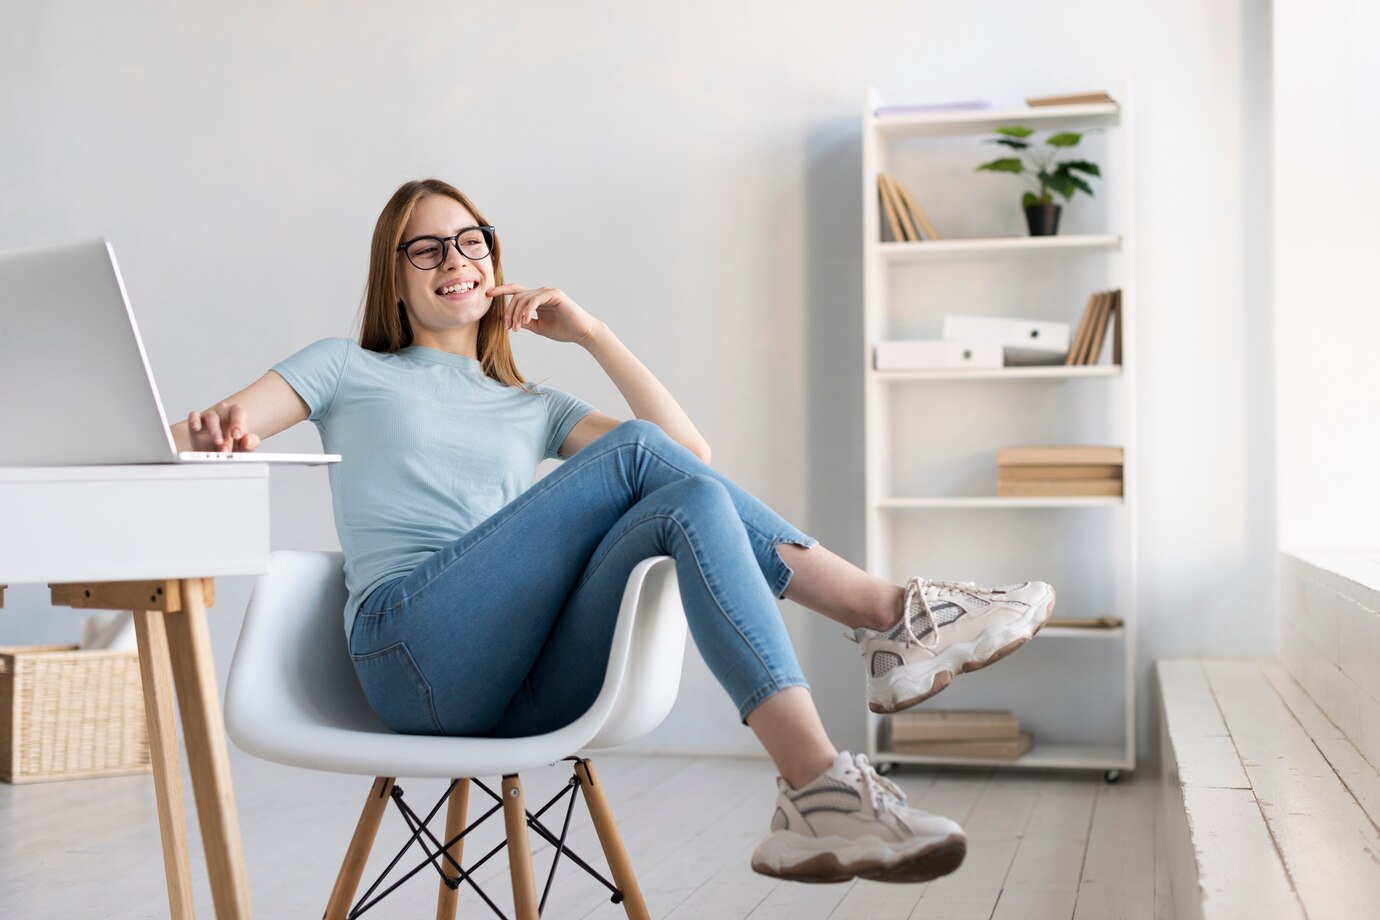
(347, 882)
(519, 850)
(611, 841)
(449, 898)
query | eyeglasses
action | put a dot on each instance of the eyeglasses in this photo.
(427, 252)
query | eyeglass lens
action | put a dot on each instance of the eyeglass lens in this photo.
(429, 251)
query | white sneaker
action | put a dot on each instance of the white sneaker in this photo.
(850, 822)
(948, 628)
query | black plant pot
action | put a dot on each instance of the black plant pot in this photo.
(1043, 219)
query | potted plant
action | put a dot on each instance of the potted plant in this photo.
(1049, 176)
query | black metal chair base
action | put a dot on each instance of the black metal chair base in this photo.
(434, 857)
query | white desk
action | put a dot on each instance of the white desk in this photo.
(152, 538)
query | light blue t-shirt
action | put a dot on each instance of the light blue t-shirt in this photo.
(430, 448)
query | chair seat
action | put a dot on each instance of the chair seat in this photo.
(293, 696)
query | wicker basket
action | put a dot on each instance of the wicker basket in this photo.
(70, 714)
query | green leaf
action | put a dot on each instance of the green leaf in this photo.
(1079, 183)
(1030, 199)
(1007, 142)
(1082, 166)
(1005, 164)
(1061, 183)
(1064, 139)
(1014, 131)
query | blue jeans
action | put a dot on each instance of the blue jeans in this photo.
(506, 631)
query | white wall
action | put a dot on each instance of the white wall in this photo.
(1327, 239)
(691, 177)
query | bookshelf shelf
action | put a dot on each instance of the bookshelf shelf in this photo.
(1075, 688)
(1049, 756)
(983, 501)
(959, 124)
(1061, 372)
(940, 249)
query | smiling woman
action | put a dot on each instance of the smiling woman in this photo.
(481, 604)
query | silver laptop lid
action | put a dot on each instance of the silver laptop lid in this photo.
(75, 385)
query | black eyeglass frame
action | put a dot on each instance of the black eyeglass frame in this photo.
(441, 241)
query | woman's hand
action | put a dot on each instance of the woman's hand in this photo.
(546, 311)
(223, 427)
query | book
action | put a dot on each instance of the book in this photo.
(954, 725)
(1081, 336)
(1048, 471)
(930, 354)
(1116, 330)
(1074, 99)
(1058, 454)
(1099, 333)
(892, 221)
(920, 216)
(1095, 320)
(986, 749)
(907, 224)
(921, 108)
(1049, 488)
(1088, 623)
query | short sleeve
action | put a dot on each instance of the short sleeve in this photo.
(315, 372)
(562, 412)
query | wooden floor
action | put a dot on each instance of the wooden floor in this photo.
(1040, 845)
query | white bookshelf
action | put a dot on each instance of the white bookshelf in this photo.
(932, 435)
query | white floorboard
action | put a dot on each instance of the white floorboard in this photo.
(1058, 845)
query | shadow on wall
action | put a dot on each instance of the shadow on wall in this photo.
(834, 394)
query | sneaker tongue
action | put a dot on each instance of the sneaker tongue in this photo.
(842, 764)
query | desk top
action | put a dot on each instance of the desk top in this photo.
(133, 472)
(127, 523)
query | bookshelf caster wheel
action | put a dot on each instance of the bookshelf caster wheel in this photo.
(885, 769)
(1111, 776)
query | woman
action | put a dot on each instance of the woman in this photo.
(481, 604)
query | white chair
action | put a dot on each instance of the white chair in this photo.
(293, 698)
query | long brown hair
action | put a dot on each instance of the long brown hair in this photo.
(385, 326)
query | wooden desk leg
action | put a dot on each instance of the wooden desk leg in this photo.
(203, 728)
(155, 672)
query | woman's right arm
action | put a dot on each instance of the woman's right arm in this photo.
(262, 409)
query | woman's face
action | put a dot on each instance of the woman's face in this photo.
(434, 305)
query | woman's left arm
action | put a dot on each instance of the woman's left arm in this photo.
(550, 313)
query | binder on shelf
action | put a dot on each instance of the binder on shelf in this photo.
(954, 725)
(1023, 341)
(1059, 455)
(935, 354)
(988, 749)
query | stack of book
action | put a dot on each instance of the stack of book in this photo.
(1071, 99)
(990, 734)
(1103, 312)
(902, 219)
(1062, 471)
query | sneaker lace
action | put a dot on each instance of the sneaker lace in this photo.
(881, 792)
(916, 591)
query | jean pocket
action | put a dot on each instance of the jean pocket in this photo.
(398, 691)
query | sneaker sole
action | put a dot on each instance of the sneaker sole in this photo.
(930, 863)
(944, 677)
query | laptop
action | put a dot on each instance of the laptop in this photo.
(75, 384)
